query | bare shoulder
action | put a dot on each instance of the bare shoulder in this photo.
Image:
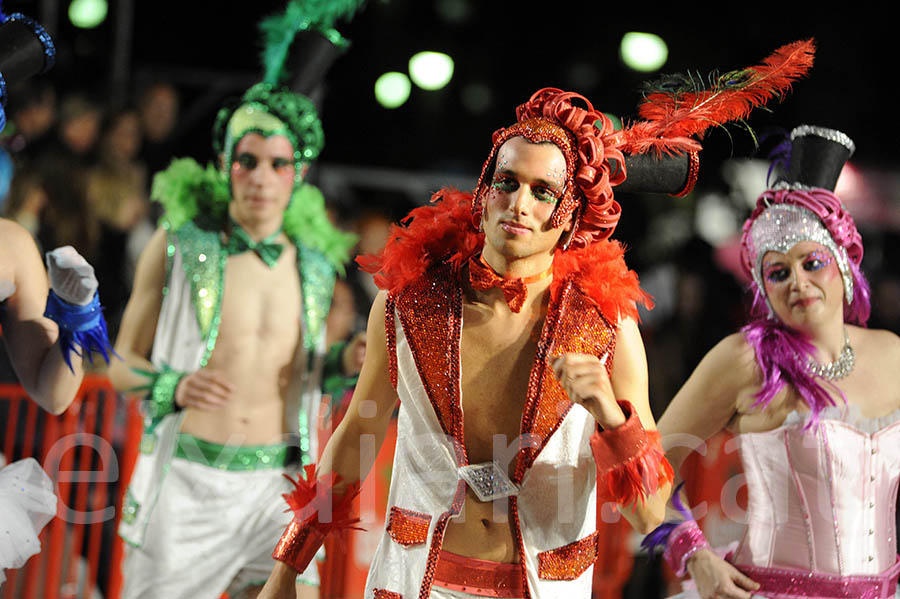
(151, 266)
(710, 397)
(21, 263)
(16, 241)
(734, 353)
(875, 344)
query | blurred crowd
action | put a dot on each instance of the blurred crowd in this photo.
(75, 172)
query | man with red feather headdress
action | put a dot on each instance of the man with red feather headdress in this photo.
(507, 325)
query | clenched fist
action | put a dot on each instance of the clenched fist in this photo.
(71, 277)
(587, 383)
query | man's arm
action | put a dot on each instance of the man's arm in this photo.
(621, 443)
(351, 451)
(32, 339)
(347, 453)
(138, 325)
(629, 381)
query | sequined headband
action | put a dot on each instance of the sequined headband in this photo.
(780, 227)
(535, 130)
(253, 117)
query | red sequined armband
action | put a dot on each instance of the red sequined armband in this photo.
(630, 460)
(316, 513)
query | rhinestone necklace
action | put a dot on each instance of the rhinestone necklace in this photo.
(835, 371)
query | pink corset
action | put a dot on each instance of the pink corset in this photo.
(823, 499)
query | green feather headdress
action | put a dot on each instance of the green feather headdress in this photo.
(279, 31)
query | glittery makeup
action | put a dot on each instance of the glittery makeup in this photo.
(816, 260)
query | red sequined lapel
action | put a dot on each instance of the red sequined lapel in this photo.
(430, 311)
(573, 324)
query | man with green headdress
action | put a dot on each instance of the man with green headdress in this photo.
(225, 331)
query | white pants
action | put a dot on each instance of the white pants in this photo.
(210, 531)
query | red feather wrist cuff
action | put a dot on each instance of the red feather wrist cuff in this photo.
(630, 460)
(317, 512)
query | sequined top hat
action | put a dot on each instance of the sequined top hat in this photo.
(802, 207)
(25, 50)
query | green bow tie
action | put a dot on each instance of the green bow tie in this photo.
(240, 242)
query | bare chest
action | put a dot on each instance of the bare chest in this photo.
(496, 362)
(261, 302)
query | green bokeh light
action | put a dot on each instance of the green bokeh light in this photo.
(431, 70)
(643, 52)
(392, 89)
(87, 14)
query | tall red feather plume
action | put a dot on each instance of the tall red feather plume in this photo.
(673, 116)
(443, 232)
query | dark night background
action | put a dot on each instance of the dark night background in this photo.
(509, 49)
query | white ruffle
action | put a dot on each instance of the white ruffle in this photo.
(848, 414)
(27, 504)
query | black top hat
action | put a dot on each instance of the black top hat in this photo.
(817, 156)
(671, 174)
(25, 50)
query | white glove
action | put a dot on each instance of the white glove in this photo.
(71, 277)
(7, 288)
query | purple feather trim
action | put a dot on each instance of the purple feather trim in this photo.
(676, 501)
(781, 354)
(659, 536)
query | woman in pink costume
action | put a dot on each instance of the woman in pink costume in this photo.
(810, 394)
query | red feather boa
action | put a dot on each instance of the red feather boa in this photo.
(442, 232)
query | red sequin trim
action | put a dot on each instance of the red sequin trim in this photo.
(430, 312)
(408, 527)
(437, 538)
(478, 577)
(693, 173)
(573, 325)
(390, 333)
(517, 526)
(570, 561)
(382, 594)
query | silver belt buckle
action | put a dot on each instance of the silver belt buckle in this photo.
(488, 480)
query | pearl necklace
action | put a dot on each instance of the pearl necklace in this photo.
(835, 371)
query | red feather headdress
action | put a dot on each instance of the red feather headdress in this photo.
(678, 107)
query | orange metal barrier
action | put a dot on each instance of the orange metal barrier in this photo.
(89, 451)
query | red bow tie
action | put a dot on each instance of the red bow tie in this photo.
(482, 277)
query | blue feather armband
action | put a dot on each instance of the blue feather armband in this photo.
(81, 326)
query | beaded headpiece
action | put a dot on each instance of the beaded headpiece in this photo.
(592, 166)
(803, 207)
(269, 110)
